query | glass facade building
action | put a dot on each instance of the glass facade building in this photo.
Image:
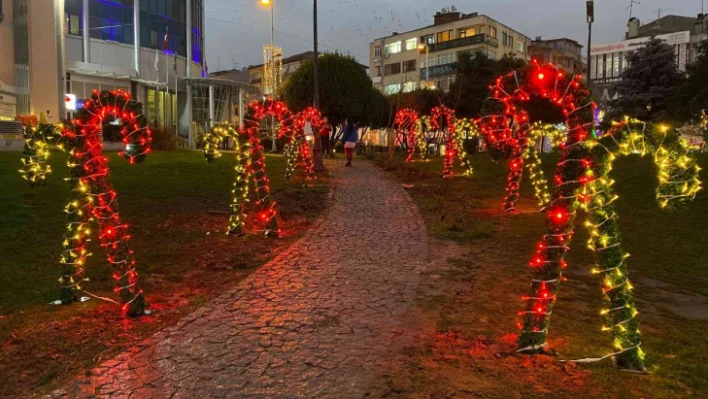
(112, 20)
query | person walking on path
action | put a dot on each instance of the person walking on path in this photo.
(349, 139)
(324, 138)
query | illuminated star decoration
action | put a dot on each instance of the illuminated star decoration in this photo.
(93, 199)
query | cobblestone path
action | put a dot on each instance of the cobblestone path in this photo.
(313, 323)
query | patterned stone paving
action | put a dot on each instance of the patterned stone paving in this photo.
(313, 323)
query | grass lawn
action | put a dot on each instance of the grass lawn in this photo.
(464, 320)
(177, 206)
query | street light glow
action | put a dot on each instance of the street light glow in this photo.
(265, 2)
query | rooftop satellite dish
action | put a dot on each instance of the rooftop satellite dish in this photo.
(453, 9)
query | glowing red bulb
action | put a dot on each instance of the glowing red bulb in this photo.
(541, 76)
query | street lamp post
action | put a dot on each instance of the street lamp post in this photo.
(590, 18)
(274, 146)
(318, 164)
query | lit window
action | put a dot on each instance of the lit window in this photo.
(520, 46)
(493, 32)
(467, 32)
(392, 89)
(412, 44)
(393, 48)
(444, 36)
(409, 86)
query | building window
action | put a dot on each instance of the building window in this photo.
(393, 48)
(378, 70)
(409, 66)
(427, 39)
(377, 51)
(444, 83)
(467, 32)
(616, 64)
(72, 11)
(409, 86)
(412, 44)
(111, 21)
(493, 32)
(444, 59)
(392, 69)
(158, 18)
(392, 89)
(444, 36)
(520, 46)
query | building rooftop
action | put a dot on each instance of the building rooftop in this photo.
(441, 19)
(307, 55)
(667, 24)
(540, 39)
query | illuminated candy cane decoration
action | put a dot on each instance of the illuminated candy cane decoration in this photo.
(422, 127)
(298, 150)
(94, 201)
(443, 119)
(210, 144)
(582, 182)
(406, 124)
(257, 112)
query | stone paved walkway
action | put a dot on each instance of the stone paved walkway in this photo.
(313, 323)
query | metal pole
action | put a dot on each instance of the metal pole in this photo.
(318, 164)
(61, 58)
(427, 64)
(85, 33)
(188, 74)
(211, 105)
(136, 35)
(274, 147)
(590, 15)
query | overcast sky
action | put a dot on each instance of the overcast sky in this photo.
(236, 30)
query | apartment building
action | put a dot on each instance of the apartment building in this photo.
(563, 53)
(424, 57)
(609, 60)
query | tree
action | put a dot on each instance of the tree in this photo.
(647, 87)
(475, 73)
(693, 98)
(345, 90)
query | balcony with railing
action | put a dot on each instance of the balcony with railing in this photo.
(465, 41)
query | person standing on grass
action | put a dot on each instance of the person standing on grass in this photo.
(349, 139)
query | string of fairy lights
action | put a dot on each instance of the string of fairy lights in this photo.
(251, 165)
(93, 200)
(405, 123)
(582, 182)
(210, 144)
